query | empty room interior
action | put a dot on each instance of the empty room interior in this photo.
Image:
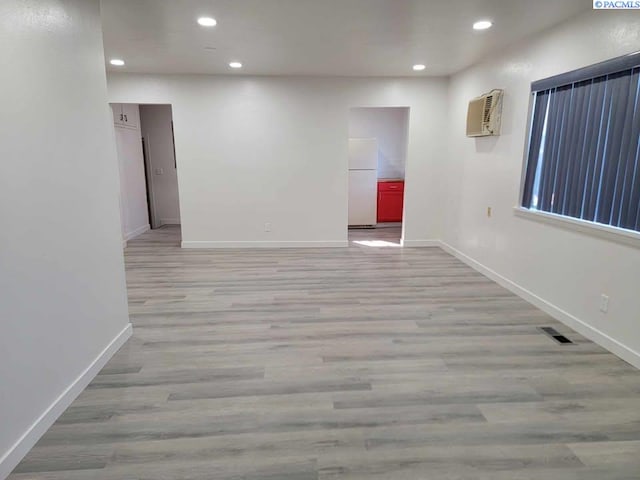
(320, 240)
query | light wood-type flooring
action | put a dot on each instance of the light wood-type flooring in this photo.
(368, 362)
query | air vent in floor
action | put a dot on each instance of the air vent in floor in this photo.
(553, 333)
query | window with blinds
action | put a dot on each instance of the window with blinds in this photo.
(584, 144)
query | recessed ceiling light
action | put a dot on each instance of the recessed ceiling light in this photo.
(419, 67)
(235, 65)
(207, 21)
(482, 25)
(117, 62)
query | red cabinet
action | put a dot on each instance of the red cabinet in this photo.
(390, 199)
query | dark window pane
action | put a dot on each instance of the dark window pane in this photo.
(584, 148)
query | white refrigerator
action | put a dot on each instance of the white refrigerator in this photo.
(363, 181)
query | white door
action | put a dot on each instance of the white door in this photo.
(124, 214)
(118, 116)
(132, 181)
(363, 154)
(130, 114)
(362, 197)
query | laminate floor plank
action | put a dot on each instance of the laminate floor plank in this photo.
(368, 362)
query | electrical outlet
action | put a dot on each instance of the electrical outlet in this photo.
(489, 212)
(159, 171)
(604, 303)
(267, 227)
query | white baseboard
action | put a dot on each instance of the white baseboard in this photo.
(136, 232)
(266, 244)
(420, 243)
(614, 346)
(169, 221)
(15, 454)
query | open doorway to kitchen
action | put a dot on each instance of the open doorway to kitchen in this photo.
(147, 163)
(378, 139)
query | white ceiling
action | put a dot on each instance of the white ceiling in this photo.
(319, 37)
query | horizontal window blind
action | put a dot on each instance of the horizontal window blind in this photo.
(584, 149)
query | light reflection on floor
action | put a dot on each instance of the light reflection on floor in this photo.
(376, 237)
(376, 243)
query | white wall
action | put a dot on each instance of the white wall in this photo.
(567, 270)
(133, 188)
(156, 131)
(390, 126)
(253, 150)
(62, 286)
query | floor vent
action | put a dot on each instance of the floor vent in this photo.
(553, 333)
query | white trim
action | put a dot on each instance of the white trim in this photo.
(137, 231)
(266, 244)
(606, 232)
(16, 453)
(614, 346)
(124, 244)
(169, 221)
(420, 243)
(527, 145)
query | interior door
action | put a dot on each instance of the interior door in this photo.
(149, 183)
(130, 114)
(118, 117)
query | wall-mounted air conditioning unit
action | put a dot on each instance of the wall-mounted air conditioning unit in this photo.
(485, 114)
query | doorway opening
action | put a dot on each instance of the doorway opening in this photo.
(378, 141)
(149, 196)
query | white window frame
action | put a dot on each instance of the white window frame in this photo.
(599, 230)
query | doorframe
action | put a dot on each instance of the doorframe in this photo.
(406, 140)
(151, 200)
(154, 215)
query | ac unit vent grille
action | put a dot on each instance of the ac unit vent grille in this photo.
(487, 109)
(484, 114)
